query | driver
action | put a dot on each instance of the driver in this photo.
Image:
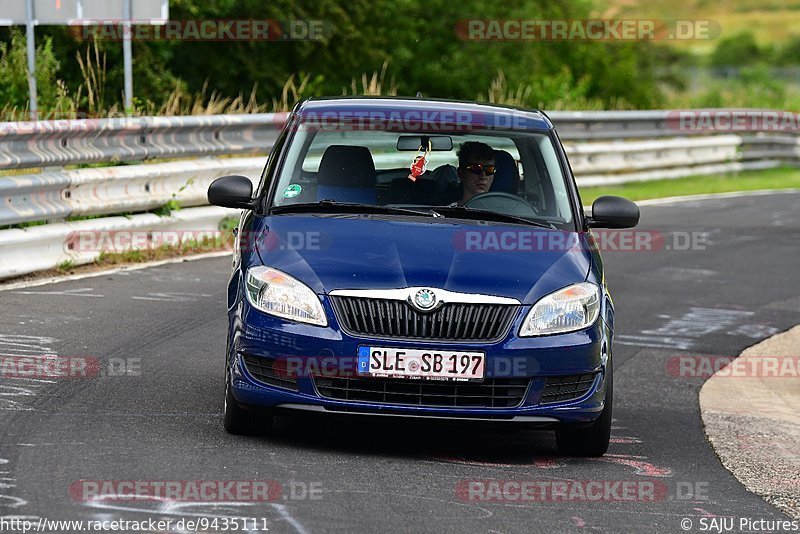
(475, 169)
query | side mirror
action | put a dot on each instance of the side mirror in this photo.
(613, 212)
(232, 192)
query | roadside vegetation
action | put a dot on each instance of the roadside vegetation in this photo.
(750, 64)
(753, 63)
(780, 178)
(219, 242)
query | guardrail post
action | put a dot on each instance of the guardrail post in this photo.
(30, 42)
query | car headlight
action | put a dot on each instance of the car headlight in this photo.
(277, 293)
(568, 309)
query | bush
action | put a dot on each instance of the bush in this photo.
(754, 87)
(739, 50)
(788, 52)
(14, 92)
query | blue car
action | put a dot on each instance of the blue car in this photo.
(413, 257)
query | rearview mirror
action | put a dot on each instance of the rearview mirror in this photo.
(232, 192)
(413, 142)
(613, 212)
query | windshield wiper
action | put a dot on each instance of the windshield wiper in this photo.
(332, 206)
(464, 212)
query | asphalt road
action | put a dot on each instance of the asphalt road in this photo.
(163, 420)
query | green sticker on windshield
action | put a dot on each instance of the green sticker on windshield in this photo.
(292, 191)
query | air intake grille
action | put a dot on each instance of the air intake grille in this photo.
(264, 370)
(493, 393)
(397, 319)
(566, 388)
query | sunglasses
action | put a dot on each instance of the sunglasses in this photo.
(477, 168)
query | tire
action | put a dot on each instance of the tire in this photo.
(241, 422)
(591, 440)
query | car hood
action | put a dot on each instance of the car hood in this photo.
(329, 252)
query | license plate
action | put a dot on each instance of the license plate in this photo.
(421, 363)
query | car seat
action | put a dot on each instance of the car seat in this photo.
(506, 174)
(347, 174)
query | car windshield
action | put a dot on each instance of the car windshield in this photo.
(512, 173)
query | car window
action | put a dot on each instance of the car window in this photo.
(366, 167)
(382, 145)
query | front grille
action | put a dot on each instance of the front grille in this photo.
(493, 393)
(397, 319)
(566, 388)
(264, 370)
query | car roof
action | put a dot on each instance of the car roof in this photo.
(460, 112)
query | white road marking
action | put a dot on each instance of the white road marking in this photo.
(681, 332)
(24, 351)
(59, 444)
(15, 391)
(658, 342)
(14, 345)
(80, 292)
(699, 322)
(714, 196)
(755, 331)
(12, 406)
(709, 196)
(286, 516)
(686, 272)
(21, 340)
(35, 381)
(124, 269)
(161, 506)
(9, 501)
(172, 297)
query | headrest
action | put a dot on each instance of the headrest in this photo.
(506, 176)
(347, 166)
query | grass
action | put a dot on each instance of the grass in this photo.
(66, 265)
(771, 21)
(221, 241)
(163, 252)
(780, 178)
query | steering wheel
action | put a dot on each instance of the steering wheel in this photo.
(502, 203)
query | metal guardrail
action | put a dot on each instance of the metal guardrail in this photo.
(26, 250)
(597, 125)
(105, 190)
(68, 142)
(604, 148)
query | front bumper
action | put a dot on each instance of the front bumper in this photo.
(539, 360)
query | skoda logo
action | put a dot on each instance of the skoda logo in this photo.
(425, 299)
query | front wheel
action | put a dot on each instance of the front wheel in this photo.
(241, 422)
(589, 440)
